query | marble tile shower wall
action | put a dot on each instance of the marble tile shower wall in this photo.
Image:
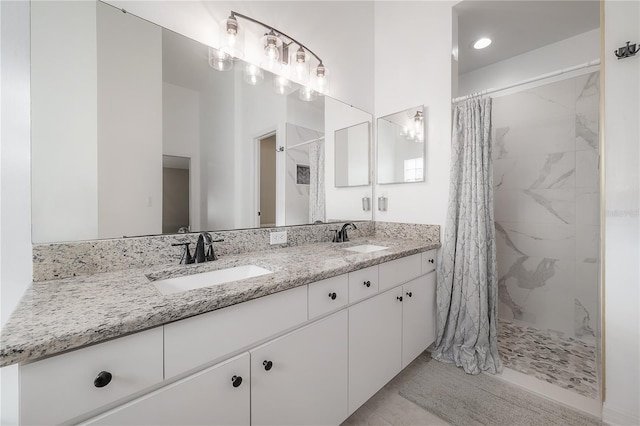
(546, 183)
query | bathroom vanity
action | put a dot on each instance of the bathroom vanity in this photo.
(306, 344)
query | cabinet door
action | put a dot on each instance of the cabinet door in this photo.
(210, 397)
(418, 316)
(301, 378)
(375, 341)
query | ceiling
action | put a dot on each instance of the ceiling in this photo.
(518, 26)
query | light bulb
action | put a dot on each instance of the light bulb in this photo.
(300, 66)
(482, 43)
(231, 38)
(321, 83)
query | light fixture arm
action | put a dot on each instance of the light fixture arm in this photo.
(277, 31)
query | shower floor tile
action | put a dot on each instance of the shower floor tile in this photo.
(549, 356)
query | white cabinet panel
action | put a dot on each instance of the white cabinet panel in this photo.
(204, 338)
(363, 283)
(399, 271)
(429, 261)
(418, 316)
(62, 387)
(211, 397)
(375, 342)
(306, 383)
(328, 295)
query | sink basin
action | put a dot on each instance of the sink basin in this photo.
(366, 248)
(208, 279)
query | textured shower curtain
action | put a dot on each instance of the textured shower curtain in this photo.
(316, 182)
(467, 282)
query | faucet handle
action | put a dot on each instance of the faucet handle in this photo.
(186, 258)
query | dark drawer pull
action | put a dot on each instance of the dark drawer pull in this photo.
(367, 283)
(267, 365)
(399, 298)
(103, 379)
(431, 260)
(236, 380)
(333, 296)
(409, 294)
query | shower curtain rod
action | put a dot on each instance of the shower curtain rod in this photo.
(321, 138)
(530, 80)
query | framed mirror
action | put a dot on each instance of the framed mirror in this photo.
(136, 130)
(401, 147)
(352, 155)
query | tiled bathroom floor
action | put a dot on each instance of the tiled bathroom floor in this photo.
(552, 357)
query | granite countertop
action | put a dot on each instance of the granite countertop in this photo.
(59, 315)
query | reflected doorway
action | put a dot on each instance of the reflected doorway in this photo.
(175, 194)
(267, 181)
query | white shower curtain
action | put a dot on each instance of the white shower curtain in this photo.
(316, 182)
(467, 277)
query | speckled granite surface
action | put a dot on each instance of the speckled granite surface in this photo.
(59, 315)
(414, 231)
(63, 260)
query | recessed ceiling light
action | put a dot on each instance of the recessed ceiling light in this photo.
(482, 43)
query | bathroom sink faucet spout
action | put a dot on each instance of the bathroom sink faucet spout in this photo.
(204, 248)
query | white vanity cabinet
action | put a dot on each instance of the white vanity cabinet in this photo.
(301, 378)
(219, 395)
(304, 356)
(60, 388)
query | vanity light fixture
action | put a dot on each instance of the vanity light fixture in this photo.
(481, 43)
(414, 132)
(276, 46)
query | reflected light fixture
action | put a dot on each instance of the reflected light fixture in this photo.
(276, 46)
(481, 43)
(253, 74)
(307, 94)
(281, 84)
(219, 60)
(418, 123)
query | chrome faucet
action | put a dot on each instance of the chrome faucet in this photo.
(341, 235)
(204, 248)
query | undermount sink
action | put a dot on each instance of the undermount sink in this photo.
(208, 279)
(366, 248)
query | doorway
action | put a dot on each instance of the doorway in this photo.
(175, 194)
(267, 181)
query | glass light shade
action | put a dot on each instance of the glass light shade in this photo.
(219, 60)
(281, 84)
(253, 74)
(307, 94)
(231, 38)
(299, 65)
(320, 80)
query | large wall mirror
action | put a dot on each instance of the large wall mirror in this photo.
(352, 155)
(401, 147)
(135, 133)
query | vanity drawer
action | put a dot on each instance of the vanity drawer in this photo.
(205, 338)
(328, 295)
(62, 387)
(363, 283)
(428, 261)
(399, 271)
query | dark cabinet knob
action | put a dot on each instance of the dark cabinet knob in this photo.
(431, 260)
(267, 365)
(399, 298)
(236, 380)
(409, 294)
(103, 379)
(367, 283)
(333, 296)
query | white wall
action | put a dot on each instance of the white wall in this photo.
(129, 133)
(622, 221)
(341, 203)
(181, 137)
(15, 180)
(64, 82)
(413, 67)
(573, 51)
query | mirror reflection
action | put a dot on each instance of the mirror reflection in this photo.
(352, 155)
(135, 132)
(401, 147)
